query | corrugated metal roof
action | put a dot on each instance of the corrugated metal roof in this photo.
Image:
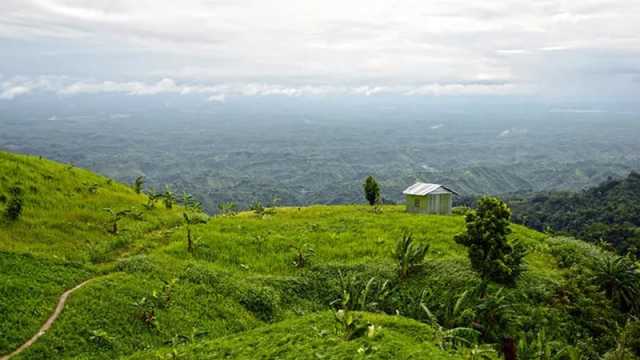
(420, 188)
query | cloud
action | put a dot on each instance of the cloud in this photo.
(218, 98)
(366, 47)
(218, 92)
(11, 92)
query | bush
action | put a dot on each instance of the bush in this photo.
(136, 264)
(14, 207)
(461, 210)
(409, 255)
(200, 275)
(262, 301)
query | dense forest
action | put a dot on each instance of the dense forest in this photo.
(608, 213)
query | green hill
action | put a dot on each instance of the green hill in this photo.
(608, 212)
(266, 284)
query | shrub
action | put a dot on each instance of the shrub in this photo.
(228, 208)
(136, 264)
(409, 255)
(14, 207)
(200, 275)
(262, 301)
(352, 326)
(364, 296)
(302, 254)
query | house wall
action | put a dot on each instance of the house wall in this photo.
(429, 204)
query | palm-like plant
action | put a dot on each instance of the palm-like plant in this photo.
(619, 278)
(302, 254)
(168, 197)
(449, 338)
(409, 255)
(116, 216)
(138, 184)
(358, 295)
(191, 219)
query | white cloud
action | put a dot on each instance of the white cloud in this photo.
(218, 92)
(365, 47)
(12, 91)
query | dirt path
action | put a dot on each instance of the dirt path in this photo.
(43, 329)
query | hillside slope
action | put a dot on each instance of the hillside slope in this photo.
(266, 284)
(61, 237)
(608, 212)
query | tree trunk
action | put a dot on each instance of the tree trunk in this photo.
(189, 242)
(509, 348)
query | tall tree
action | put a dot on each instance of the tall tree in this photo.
(486, 237)
(371, 190)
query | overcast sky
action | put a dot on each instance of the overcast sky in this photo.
(221, 48)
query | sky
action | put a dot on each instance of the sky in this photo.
(218, 49)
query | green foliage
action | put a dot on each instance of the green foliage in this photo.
(351, 326)
(262, 301)
(168, 198)
(371, 191)
(450, 338)
(14, 206)
(116, 216)
(607, 212)
(303, 254)
(239, 285)
(138, 184)
(619, 278)
(191, 219)
(409, 255)
(486, 237)
(228, 208)
(363, 296)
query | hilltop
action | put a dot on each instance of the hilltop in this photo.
(266, 283)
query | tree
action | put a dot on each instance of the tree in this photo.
(409, 255)
(14, 207)
(116, 216)
(371, 191)
(168, 197)
(486, 237)
(619, 278)
(138, 184)
(192, 219)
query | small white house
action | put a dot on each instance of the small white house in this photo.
(429, 198)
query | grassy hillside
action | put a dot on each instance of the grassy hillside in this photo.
(266, 285)
(62, 236)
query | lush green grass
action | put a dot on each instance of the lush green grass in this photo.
(64, 214)
(316, 337)
(239, 293)
(61, 237)
(29, 289)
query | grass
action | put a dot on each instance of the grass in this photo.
(239, 294)
(315, 337)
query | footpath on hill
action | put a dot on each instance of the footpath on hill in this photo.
(47, 324)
